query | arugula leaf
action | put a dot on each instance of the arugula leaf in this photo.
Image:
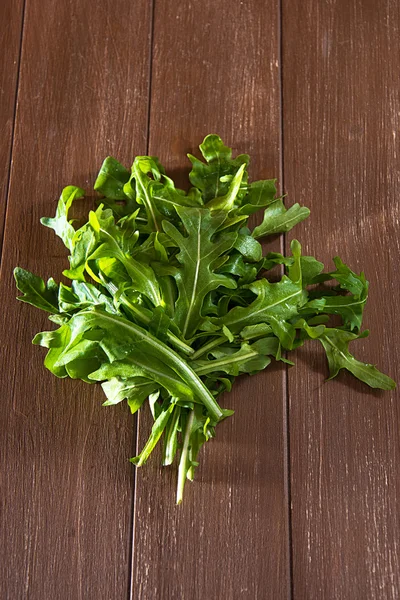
(245, 360)
(151, 368)
(310, 267)
(348, 280)
(254, 331)
(350, 308)
(83, 295)
(213, 179)
(248, 247)
(169, 299)
(274, 301)
(84, 244)
(113, 246)
(336, 343)
(171, 437)
(259, 194)
(133, 389)
(198, 253)
(111, 179)
(227, 202)
(36, 291)
(144, 185)
(278, 219)
(60, 223)
(111, 182)
(167, 197)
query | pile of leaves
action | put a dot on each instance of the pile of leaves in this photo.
(170, 299)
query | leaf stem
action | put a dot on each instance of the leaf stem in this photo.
(183, 469)
(209, 346)
(215, 365)
(171, 441)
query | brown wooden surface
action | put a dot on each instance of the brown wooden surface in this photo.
(341, 157)
(11, 16)
(124, 78)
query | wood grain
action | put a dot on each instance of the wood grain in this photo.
(11, 14)
(215, 69)
(341, 151)
(66, 482)
(67, 490)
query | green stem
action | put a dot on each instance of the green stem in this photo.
(215, 365)
(156, 432)
(209, 346)
(171, 440)
(183, 469)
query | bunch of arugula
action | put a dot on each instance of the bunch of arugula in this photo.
(170, 299)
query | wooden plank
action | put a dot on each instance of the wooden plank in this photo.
(66, 481)
(11, 13)
(341, 151)
(215, 69)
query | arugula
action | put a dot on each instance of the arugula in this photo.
(170, 299)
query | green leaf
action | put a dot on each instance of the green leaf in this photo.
(167, 198)
(284, 331)
(142, 166)
(348, 280)
(60, 223)
(82, 360)
(228, 333)
(83, 295)
(350, 308)
(133, 389)
(112, 246)
(56, 341)
(111, 179)
(230, 199)
(198, 253)
(247, 359)
(255, 331)
(278, 219)
(274, 301)
(83, 245)
(238, 267)
(213, 179)
(313, 328)
(159, 324)
(310, 268)
(248, 247)
(140, 364)
(336, 342)
(36, 291)
(259, 194)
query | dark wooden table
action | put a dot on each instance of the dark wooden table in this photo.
(298, 496)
